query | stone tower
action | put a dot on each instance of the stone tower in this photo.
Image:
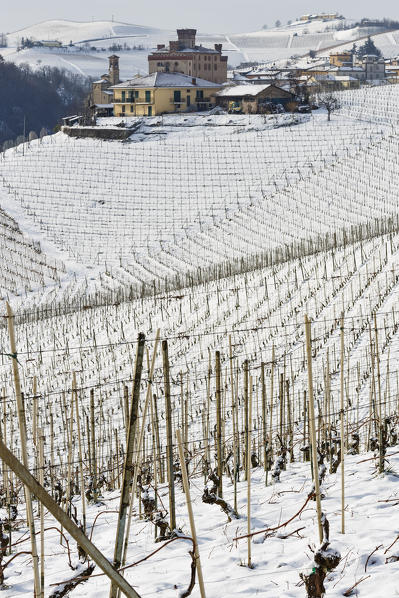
(114, 69)
(186, 38)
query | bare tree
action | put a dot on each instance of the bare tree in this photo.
(330, 102)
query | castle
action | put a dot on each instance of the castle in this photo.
(184, 56)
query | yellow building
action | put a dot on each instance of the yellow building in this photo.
(341, 58)
(161, 93)
(332, 16)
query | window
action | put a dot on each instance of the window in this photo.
(188, 101)
(148, 96)
(177, 96)
(200, 94)
(123, 109)
(123, 96)
(131, 108)
(136, 94)
(149, 110)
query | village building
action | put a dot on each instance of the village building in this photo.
(161, 93)
(49, 43)
(321, 17)
(101, 96)
(392, 70)
(253, 99)
(341, 58)
(374, 68)
(184, 56)
(333, 82)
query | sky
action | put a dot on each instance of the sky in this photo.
(210, 16)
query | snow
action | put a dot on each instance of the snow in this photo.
(265, 46)
(205, 190)
(277, 561)
(238, 90)
(167, 80)
(75, 31)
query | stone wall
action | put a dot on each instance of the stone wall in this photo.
(116, 134)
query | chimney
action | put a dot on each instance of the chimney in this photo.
(218, 48)
(173, 46)
(114, 69)
(194, 81)
(160, 46)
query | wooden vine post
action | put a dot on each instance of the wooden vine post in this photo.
(246, 423)
(312, 425)
(44, 497)
(82, 481)
(127, 467)
(169, 438)
(93, 467)
(41, 438)
(187, 494)
(24, 451)
(219, 424)
(342, 425)
(249, 464)
(139, 446)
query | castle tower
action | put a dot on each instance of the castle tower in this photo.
(114, 69)
(186, 38)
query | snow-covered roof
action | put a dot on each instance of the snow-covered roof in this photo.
(330, 77)
(250, 89)
(165, 80)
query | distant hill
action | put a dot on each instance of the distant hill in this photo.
(94, 40)
(76, 31)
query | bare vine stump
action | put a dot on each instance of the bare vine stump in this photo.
(326, 559)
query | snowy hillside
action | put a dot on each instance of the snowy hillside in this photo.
(93, 39)
(216, 235)
(75, 32)
(184, 192)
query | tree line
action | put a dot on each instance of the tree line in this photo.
(36, 100)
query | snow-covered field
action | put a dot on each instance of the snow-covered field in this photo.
(239, 226)
(277, 559)
(185, 191)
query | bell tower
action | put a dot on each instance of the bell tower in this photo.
(114, 69)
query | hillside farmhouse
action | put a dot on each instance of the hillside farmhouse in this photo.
(321, 17)
(253, 98)
(161, 93)
(184, 56)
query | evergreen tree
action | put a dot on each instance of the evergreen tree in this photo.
(368, 48)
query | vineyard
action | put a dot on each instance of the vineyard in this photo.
(198, 360)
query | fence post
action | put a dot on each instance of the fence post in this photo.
(24, 452)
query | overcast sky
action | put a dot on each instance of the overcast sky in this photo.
(207, 15)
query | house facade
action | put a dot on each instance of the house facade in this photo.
(374, 67)
(184, 56)
(252, 98)
(162, 93)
